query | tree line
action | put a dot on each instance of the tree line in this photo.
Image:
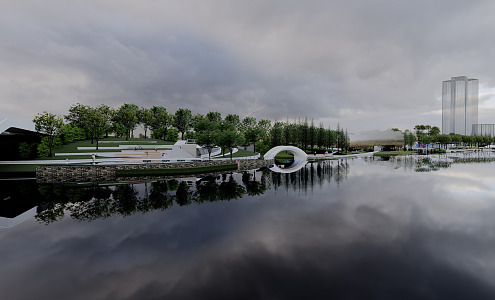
(84, 122)
(426, 134)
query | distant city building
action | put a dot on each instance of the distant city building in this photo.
(459, 105)
(387, 138)
(484, 129)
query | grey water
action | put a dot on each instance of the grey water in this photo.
(406, 228)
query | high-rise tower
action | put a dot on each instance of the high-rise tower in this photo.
(459, 105)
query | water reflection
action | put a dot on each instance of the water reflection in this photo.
(96, 201)
(427, 163)
(354, 229)
(88, 202)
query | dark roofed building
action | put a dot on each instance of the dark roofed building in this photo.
(14, 131)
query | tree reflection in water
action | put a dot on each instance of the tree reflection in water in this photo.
(93, 201)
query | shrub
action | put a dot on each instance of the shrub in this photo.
(172, 135)
(27, 150)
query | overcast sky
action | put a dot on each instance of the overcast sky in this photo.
(364, 64)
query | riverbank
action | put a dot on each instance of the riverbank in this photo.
(116, 172)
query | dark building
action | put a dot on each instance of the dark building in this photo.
(15, 134)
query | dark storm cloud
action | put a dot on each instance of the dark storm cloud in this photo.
(364, 64)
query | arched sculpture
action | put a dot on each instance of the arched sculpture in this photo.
(300, 158)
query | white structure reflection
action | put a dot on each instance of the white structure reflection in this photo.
(296, 166)
(11, 222)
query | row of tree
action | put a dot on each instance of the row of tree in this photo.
(426, 134)
(210, 130)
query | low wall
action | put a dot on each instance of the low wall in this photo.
(97, 173)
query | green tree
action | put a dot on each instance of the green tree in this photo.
(444, 139)
(331, 138)
(172, 135)
(321, 136)
(304, 133)
(127, 115)
(196, 119)
(229, 139)
(145, 118)
(487, 140)
(456, 138)
(264, 126)
(312, 138)
(340, 137)
(234, 120)
(206, 135)
(286, 132)
(419, 131)
(276, 134)
(409, 139)
(214, 117)
(98, 122)
(254, 132)
(182, 120)
(293, 134)
(467, 140)
(49, 124)
(79, 115)
(433, 131)
(246, 124)
(71, 133)
(160, 121)
(426, 139)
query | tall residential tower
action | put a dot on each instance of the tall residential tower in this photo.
(459, 105)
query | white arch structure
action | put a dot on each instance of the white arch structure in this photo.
(300, 158)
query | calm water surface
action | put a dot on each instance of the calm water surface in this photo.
(358, 229)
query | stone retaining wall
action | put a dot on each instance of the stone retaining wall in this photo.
(97, 173)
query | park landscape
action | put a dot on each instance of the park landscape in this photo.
(247, 150)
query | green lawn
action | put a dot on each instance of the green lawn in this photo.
(284, 155)
(239, 153)
(393, 153)
(72, 148)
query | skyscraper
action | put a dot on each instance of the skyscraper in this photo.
(459, 105)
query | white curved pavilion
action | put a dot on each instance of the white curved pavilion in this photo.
(300, 158)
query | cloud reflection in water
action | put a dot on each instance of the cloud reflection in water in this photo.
(378, 233)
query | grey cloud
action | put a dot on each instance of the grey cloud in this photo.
(318, 59)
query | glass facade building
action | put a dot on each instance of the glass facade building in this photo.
(484, 129)
(459, 105)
